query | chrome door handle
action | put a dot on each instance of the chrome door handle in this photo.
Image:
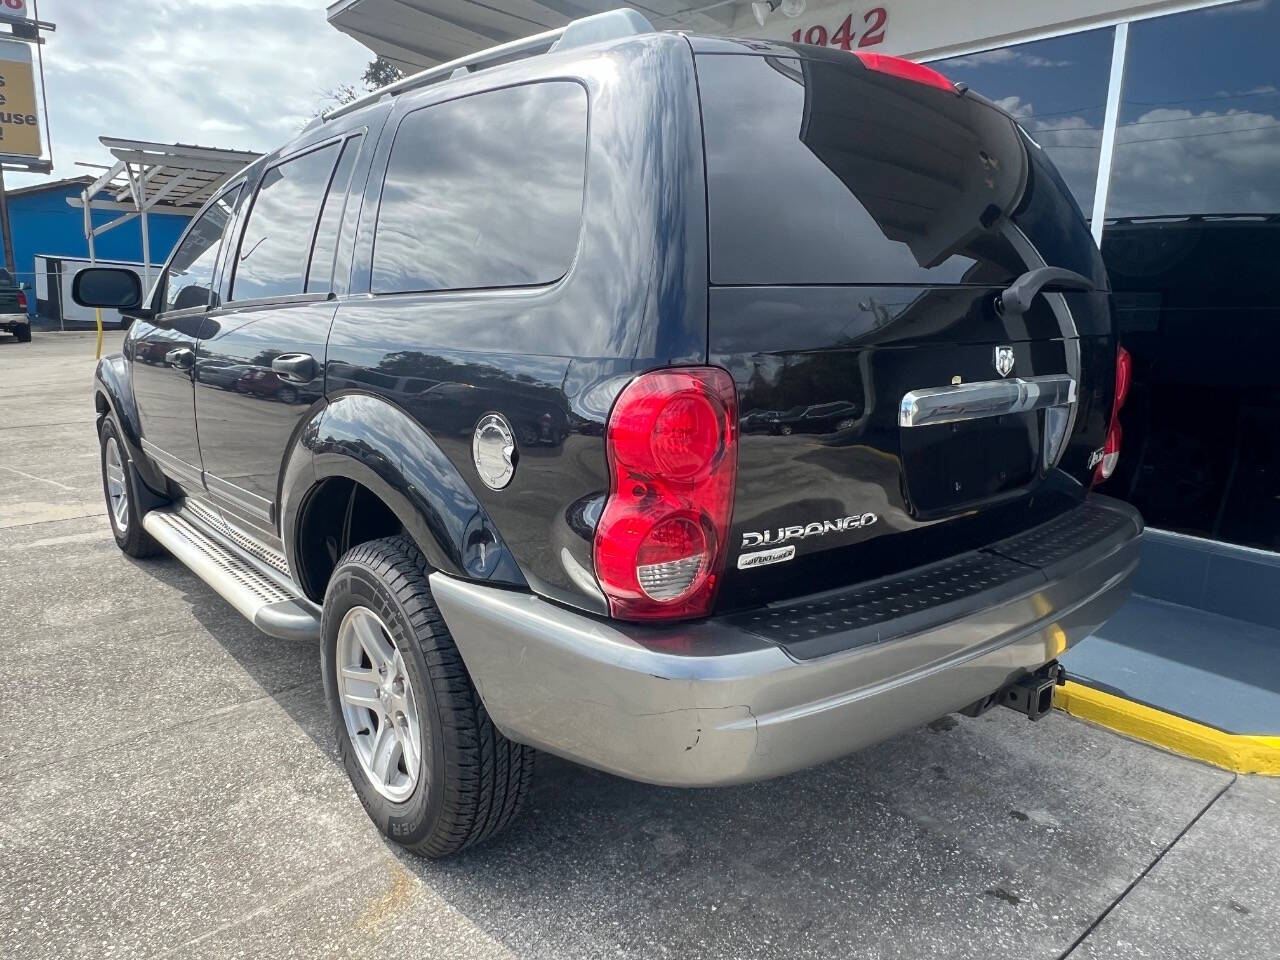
(298, 367)
(180, 357)
(993, 398)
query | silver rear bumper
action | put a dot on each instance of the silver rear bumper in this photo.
(709, 703)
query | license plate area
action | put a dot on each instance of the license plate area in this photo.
(952, 467)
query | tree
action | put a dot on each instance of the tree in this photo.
(378, 73)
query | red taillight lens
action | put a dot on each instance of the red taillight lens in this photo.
(672, 447)
(1115, 435)
(22, 300)
(905, 69)
(1124, 377)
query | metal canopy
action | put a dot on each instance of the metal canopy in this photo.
(155, 177)
(414, 34)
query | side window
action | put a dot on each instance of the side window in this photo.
(485, 191)
(189, 280)
(274, 249)
(320, 272)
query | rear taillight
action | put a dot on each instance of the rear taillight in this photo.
(22, 300)
(672, 446)
(905, 70)
(1115, 435)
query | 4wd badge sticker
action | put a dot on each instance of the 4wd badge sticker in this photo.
(765, 557)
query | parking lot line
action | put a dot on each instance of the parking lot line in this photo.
(31, 476)
(1237, 752)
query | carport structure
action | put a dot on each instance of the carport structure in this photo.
(175, 177)
(415, 34)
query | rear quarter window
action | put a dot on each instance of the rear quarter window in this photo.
(484, 191)
(276, 244)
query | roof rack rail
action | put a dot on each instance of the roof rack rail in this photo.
(610, 25)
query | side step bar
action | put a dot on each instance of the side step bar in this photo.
(269, 602)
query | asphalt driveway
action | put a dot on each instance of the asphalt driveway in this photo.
(169, 787)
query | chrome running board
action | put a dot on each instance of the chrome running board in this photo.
(262, 595)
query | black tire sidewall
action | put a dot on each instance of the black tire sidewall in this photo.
(355, 584)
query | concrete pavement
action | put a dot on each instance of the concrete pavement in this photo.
(169, 787)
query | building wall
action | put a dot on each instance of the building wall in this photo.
(44, 223)
(923, 29)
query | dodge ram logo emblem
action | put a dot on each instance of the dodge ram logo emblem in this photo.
(493, 448)
(1004, 361)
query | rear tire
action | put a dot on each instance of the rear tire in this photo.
(460, 781)
(23, 333)
(119, 486)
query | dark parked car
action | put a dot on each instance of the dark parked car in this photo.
(265, 382)
(13, 308)
(220, 373)
(531, 299)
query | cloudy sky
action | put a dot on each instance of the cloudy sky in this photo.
(225, 73)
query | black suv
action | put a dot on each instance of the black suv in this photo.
(513, 340)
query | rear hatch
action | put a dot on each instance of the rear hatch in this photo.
(861, 227)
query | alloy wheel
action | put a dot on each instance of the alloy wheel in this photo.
(117, 487)
(379, 706)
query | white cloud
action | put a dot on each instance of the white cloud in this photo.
(1005, 55)
(1179, 161)
(221, 73)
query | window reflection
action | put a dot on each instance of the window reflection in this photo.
(1199, 129)
(277, 237)
(485, 191)
(1057, 90)
(189, 280)
(825, 173)
(1191, 242)
(320, 271)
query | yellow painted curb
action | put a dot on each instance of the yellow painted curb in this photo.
(1238, 752)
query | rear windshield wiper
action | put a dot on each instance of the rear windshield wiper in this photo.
(1016, 300)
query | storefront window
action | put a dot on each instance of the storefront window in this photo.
(1057, 89)
(1191, 243)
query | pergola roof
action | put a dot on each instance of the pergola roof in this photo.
(155, 178)
(414, 34)
(171, 174)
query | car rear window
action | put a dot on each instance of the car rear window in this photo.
(822, 172)
(484, 191)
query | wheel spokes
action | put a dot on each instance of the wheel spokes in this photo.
(360, 688)
(378, 704)
(385, 755)
(117, 487)
(374, 642)
(408, 747)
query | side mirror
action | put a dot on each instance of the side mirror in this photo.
(108, 287)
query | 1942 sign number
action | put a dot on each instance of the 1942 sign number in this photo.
(872, 27)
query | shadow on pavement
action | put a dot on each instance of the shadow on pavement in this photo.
(988, 832)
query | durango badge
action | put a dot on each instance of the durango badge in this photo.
(750, 538)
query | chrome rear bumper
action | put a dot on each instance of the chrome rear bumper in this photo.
(712, 703)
